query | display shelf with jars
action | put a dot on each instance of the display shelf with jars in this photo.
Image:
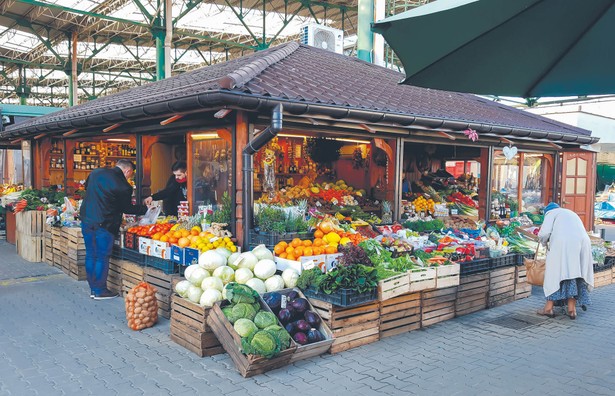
(88, 156)
(56, 157)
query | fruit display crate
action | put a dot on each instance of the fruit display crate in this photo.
(400, 314)
(422, 279)
(189, 328)
(475, 266)
(472, 293)
(438, 305)
(270, 239)
(393, 286)
(507, 260)
(351, 327)
(247, 365)
(447, 275)
(343, 297)
(501, 286)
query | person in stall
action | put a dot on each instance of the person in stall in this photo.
(175, 191)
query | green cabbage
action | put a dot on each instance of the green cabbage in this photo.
(281, 334)
(243, 310)
(265, 319)
(245, 327)
(262, 343)
(228, 312)
(236, 293)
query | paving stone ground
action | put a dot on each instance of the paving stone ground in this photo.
(55, 340)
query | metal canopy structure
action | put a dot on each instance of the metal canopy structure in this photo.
(62, 52)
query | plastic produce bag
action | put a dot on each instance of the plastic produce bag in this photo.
(151, 216)
(141, 306)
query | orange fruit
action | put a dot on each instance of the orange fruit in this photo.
(173, 240)
(291, 257)
(185, 233)
(156, 236)
(308, 251)
(330, 249)
(164, 238)
(298, 251)
(177, 234)
(284, 244)
(278, 249)
(307, 242)
(290, 250)
(326, 227)
(183, 242)
(283, 255)
(295, 242)
(202, 234)
(317, 242)
(318, 234)
(194, 232)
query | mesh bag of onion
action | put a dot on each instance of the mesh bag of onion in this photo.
(141, 306)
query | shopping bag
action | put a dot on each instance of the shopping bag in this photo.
(535, 269)
(151, 216)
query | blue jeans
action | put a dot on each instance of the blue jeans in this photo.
(98, 246)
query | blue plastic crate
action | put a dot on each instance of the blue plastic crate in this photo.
(164, 265)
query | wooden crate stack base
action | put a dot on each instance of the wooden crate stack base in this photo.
(447, 275)
(48, 240)
(603, 278)
(189, 328)
(424, 279)
(114, 277)
(613, 272)
(30, 222)
(400, 314)
(438, 305)
(247, 365)
(501, 286)
(132, 275)
(163, 284)
(74, 238)
(522, 288)
(59, 246)
(30, 248)
(472, 293)
(351, 327)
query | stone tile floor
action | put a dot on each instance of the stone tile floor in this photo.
(55, 340)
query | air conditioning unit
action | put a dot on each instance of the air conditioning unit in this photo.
(323, 37)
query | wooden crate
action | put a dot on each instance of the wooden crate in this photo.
(132, 275)
(522, 288)
(501, 286)
(163, 284)
(351, 327)
(114, 277)
(189, 328)
(77, 255)
(247, 365)
(76, 270)
(438, 305)
(30, 248)
(423, 279)
(447, 275)
(30, 223)
(393, 286)
(400, 314)
(603, 278)
(472, 293)
(74, 238)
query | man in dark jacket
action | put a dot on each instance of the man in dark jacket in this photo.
(107, 196)
(175, 191)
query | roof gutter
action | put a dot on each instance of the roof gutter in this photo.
(245, 101)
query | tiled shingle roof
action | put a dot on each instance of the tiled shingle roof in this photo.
(296, 74)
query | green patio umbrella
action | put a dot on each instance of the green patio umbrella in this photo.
(523, 48)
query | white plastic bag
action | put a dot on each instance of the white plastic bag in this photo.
(151, 216)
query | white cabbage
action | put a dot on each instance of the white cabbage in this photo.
(209, 297)
(243, 275)
(197, 275)
(194, 294)
(290, 276)
(264, 269)
(182, 287)
(274, 283)
(211, 259)
(225, 273)
(261, 252)
(212, 282)
(257, 285)
(246, 260)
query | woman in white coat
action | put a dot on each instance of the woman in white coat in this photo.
(569, 273)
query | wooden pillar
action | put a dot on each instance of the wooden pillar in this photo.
(41, 161)
(242, 137)
(484, 184)
(147, 143)
(69, 184)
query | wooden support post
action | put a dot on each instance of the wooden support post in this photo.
(147, 142)
(241, 140)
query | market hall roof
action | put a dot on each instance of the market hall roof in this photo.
(308, 81)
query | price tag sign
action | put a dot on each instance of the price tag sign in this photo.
(454, 211)
(284, 301)
(308, 265)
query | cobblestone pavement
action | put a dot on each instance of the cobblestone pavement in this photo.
(55, 340)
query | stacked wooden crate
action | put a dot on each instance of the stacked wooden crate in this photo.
(29, 238)
(163, 284)
(59, 248)
(189, 328)
(522, 288)
(603, 278)
(472, 293)
(114, 277)
(400, 314)
(48, 241)
(501, 286)
(132, 275)
(351, 327)
(75, 252)
(438, 305)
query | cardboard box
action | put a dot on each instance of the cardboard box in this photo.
(331, 261)
(145, 246)
(304, 262)
(184, 256)
(161, 249)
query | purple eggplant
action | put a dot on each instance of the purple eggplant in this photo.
(285, 316)
(273, 300)
(302, 326)
(312, 318)
(314, 336)
(292, 295)
(300, 338)
(291, 328)
(300, 304)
